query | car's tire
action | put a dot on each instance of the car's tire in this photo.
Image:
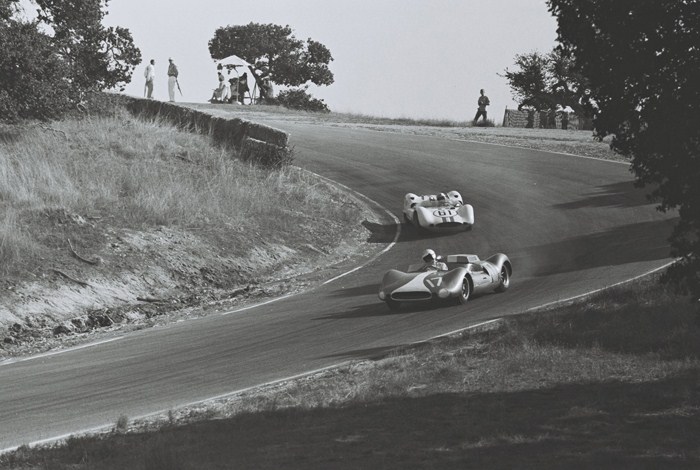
(505, 279)
(393, 304)
(466, 291)
(416, 222)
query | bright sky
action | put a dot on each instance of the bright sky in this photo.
(392, 58)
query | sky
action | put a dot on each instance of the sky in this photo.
(420, 59)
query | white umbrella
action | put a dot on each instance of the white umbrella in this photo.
(235, 63)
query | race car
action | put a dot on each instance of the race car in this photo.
(465, 275)
(438, 212)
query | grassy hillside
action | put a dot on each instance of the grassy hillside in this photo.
(114, 220)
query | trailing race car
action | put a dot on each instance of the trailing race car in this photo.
(461, 277)
(438, 212)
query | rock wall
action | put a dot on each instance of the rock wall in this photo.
(260, 144)
(545, 120)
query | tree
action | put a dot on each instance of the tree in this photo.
(99, 58)
(567, 85)
(274, 53)
(31, 74)
(642, 60)
(543, 81)
(49, 63)
(528, 82)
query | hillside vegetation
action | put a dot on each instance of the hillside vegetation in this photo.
(114, 220)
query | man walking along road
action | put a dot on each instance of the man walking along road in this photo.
(172, 79)
(483, 102)
(150, 75)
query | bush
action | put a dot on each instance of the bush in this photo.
(298, 98)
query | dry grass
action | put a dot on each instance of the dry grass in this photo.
(141, 174)
(602, 383)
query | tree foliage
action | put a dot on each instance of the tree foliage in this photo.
(31, 73)
(543, 81)
(99, 58)
(53, 60)
(274, 52)
(642, 60)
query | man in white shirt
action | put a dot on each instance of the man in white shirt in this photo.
(150, 75)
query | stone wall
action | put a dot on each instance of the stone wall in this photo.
(260, 144)
(545, 120)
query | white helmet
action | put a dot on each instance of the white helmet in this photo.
(428, 255)
(442, 197)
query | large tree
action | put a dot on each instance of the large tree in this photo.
(543, 81)
(528, 82)
(99, 58)
(48, 63)
(274, 53)
(31, 73)
(642, 60)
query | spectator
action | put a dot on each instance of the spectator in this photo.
(150, 75)
(482, 102)
(243, 87)
(172, 79)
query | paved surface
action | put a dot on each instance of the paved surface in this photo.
(568, 224)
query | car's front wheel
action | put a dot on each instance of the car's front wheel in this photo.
(466, 290)
(505, 280)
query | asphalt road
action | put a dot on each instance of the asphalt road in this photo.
(569, 225)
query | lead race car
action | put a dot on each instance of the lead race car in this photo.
(462, 276)
(438, 212)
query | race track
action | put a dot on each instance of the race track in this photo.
(570, 225)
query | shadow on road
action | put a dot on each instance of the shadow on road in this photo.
(610, 195)
(644, 241)
(385, 233)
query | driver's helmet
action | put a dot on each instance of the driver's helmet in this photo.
(442, 197)
(428, 255)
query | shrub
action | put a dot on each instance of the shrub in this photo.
(298, 98)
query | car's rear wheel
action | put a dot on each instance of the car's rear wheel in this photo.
(393, 305)
(466, 290)
(505, 280)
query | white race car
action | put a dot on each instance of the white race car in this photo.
(438, 212)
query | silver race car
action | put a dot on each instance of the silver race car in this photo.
(462, 276)
(438, 212)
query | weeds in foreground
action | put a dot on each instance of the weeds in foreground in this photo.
(548, 390)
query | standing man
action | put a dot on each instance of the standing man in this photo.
(483, 102)
(172, 79)
(150, 75)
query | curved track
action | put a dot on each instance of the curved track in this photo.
(569, 225)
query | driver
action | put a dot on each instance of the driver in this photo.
(432, 262)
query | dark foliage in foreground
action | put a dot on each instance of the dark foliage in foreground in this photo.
(642, 59)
